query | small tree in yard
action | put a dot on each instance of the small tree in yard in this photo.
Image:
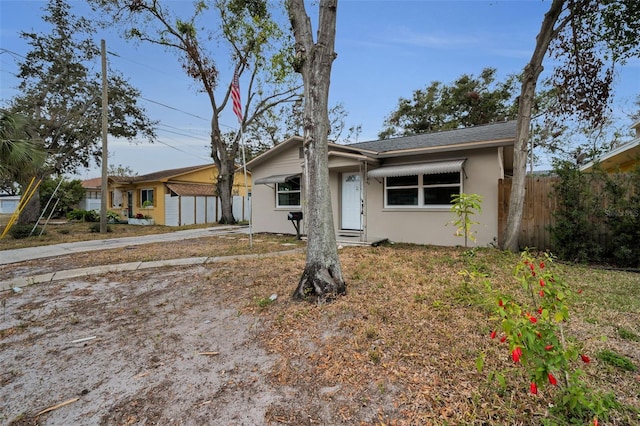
(322, 276)
(464, 207)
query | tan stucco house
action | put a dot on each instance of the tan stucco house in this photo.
(397, 189)
(174, 197)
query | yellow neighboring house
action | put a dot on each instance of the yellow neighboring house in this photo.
(622, 159)
(173, 197)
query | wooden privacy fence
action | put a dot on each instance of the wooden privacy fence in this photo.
(539, 204)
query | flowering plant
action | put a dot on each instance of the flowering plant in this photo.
(534, 335)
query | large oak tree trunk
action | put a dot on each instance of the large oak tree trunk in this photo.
(525, 106)
(322, 277)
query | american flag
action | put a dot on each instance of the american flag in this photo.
(235, 96)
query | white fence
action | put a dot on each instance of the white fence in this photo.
(189, 210)
(90, 204)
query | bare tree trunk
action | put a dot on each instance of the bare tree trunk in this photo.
(224, 158)
(225, 193)
(525, 106)
(322, 277)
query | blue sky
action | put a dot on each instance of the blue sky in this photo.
(386, 50)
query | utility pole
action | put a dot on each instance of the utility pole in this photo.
(105, 109)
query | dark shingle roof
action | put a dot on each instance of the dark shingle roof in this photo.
(483, 133)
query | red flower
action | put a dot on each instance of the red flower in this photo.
(516, 353)
(531, 267)
(552, 379)
(541, 265)
(532, 318)
(503, 339)
(585, 359)
(580, 291)
(500, 303)
(540, 310)
(541, 282)
(548, 347)
(533, 388)
(493, 334)
(541, 293)
(595, 421)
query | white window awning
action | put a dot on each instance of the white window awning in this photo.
(450, 166)
(276, 179)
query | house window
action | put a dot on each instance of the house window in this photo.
(440, 187)
(288, 193)
(402, 190)
(146, 198)
(430, 190)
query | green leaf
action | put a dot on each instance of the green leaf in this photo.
(480, 362)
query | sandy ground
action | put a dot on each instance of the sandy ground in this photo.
(164, 347)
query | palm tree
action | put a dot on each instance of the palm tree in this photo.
(21, 154)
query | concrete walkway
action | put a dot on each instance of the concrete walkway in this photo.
(32, 253)
(40, 252)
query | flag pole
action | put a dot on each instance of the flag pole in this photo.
(237, 110)
(246, 184)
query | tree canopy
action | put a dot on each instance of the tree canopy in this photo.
(61, 95)
(587, 39)
(467, 101)
(246, 37)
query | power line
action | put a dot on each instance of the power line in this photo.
(183, 134)
(183, 151)
(172, 108)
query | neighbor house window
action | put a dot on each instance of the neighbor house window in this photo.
(288, 193)
(146, 197)
(428, 190)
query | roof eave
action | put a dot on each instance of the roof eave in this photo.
(447, 148)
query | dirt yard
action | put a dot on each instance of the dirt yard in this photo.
(207, 345)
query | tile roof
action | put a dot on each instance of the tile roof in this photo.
(192, 189)
(92, 183)
(445, 138)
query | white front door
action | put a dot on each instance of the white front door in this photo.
(351, 201)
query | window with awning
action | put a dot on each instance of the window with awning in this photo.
(421, 185)
(273, 179)
(432, 168)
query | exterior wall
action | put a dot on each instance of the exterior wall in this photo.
(9, 204)
(266, 217)
(420, 226)
(429, 226)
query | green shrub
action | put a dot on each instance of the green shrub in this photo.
(83, 215)
(112, 217)
(23, 231)
(597, 216)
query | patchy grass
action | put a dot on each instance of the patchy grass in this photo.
(405, 338)
(401, 346)
(224, 245)
(68, 232)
